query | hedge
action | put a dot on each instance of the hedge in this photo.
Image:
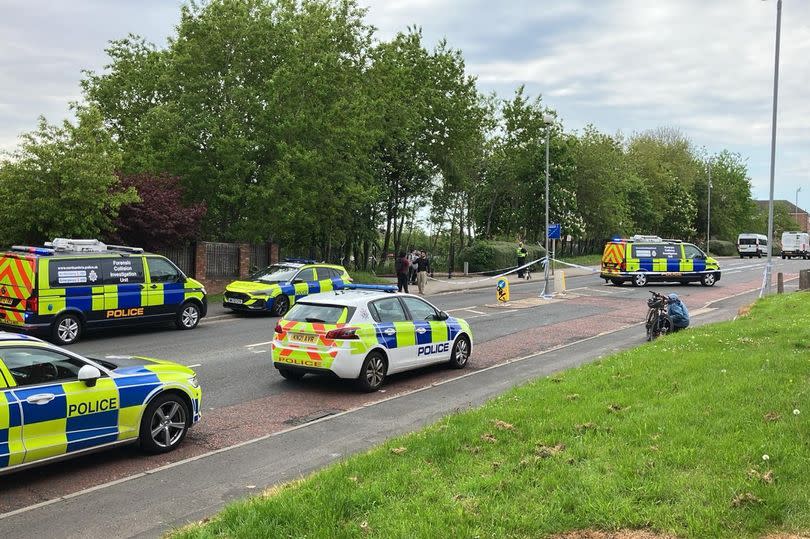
(486, 256)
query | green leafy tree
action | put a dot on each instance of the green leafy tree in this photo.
(61, 182)
(733, 209)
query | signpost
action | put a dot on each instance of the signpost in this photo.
(554, 233)
(503, 290)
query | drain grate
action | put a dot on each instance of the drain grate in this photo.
(320, 414)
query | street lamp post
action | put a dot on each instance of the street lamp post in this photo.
(798, 212)
(548, 120)
(709, 210)
(767, 283)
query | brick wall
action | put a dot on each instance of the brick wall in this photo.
(216, 285)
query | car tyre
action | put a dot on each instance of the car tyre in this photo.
(291, 374)
(461, 353)
(188, 317)
(164, 423)
(617, 282)
(67, 329)
(280, 306)
(372, 373)
(639, 280)
(708, 279)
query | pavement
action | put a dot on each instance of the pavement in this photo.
(258, 429)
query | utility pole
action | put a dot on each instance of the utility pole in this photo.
(767, 282)
(548, 119)
(709, 210)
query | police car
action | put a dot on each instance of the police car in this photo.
(55, 404)
(366, 335)
(70, 285)
(276, 288)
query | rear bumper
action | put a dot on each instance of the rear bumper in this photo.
(661, 276)
(340, 362)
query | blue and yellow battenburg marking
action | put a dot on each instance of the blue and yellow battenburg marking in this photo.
(81, 417)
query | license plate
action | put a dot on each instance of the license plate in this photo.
(6, 301)
(234, 300)
(301, 337)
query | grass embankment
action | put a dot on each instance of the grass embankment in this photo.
(367, 277)
(703, 433)
(582, 260)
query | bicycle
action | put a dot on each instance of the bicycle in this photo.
(658, 321)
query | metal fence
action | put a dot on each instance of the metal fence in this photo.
(221, 260)
(258, 256)
(182, 256)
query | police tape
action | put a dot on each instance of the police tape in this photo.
(504, 274)
(558, 261)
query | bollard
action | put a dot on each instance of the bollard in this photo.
(466, 268)
(780, 283)
(804, 279)
(559, 282)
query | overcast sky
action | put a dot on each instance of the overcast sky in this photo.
(705, 67)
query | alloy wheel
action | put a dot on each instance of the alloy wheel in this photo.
(168, 424)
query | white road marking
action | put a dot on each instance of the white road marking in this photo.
(258, 344)
(194, 365)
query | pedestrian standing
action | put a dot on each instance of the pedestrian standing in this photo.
(413, 256)
(402, 267)
(422, 269)
(522, 253)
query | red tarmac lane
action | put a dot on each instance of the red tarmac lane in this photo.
(315, 397)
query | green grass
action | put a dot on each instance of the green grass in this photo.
(670, 436)
(583, 260)
(367, 277)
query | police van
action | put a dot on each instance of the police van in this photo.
(71, 285)
(643, 259)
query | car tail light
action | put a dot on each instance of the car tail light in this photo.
(32, 304)
(623, 266)
(342, 333)
(279, 329)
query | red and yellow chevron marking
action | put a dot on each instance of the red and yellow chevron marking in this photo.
(17, 272)
(12, 318)
(614, 253)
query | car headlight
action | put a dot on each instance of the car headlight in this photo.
(193, 382)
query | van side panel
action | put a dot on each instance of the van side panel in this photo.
(17, 279)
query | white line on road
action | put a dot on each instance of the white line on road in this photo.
(194, 365)
(258, 344)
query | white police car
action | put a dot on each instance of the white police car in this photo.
(367, 335)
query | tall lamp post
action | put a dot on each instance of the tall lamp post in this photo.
(798, 212)
(548, 119)
(766, 289)
(709, 210)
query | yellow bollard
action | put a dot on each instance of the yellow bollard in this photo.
(559, 282)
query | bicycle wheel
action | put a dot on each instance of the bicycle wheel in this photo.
(652, 322)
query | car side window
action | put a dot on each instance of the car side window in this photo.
(690, 252)
(305, 275)
(389, 310)
(324, 274)
(162, 271)
(419, 309)
(33, 366)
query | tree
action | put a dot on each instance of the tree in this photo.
(61, 182)
(160, 219)
(733, 209)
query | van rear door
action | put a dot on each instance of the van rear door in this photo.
(17, 278)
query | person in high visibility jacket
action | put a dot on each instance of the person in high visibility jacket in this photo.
(522, 253)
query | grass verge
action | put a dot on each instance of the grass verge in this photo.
(703, 433)
(367, 277)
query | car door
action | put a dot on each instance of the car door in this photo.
(432, 337)
(165, 286)
(305, 283)
(394, 331)
(59, 414)
(693, 258)
(125, 295)
(12, 450)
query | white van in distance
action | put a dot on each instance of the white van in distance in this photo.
(795, 244)
(751, 245)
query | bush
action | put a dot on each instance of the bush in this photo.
(485, 256)
(723, 248)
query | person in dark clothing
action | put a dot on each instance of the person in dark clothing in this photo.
(402, 267)
(677, 312)
(422, 269)
(522, 253)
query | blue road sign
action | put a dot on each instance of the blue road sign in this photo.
(554, 231)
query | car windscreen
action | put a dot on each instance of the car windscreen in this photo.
(274, 274)
(318, 313)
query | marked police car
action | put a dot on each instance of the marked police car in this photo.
(367, 334)
(277, 287)
(55, 404)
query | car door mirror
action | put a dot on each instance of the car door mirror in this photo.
(89, 375)
(442, 316)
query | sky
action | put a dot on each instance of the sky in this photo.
(704, 67)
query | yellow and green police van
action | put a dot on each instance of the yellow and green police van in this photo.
(643, 259)
(68, 286)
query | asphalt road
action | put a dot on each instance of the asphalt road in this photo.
(244, 397)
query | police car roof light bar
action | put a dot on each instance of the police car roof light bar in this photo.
(41, 251)
(77, 246)
(645, 238)
(125, 249)
(380, 287)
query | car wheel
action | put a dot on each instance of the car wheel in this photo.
(783, 257)
(759, 255)
(291, 374)
(372, 374)
(460, 353)
(617, 282)
(188, 317)
(164, 423)
(741, 256)
(639, 279)
(280, 306)
(67, 329)
(708, 279)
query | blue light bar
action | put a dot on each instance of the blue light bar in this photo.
(380, 287)
(41, 251)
